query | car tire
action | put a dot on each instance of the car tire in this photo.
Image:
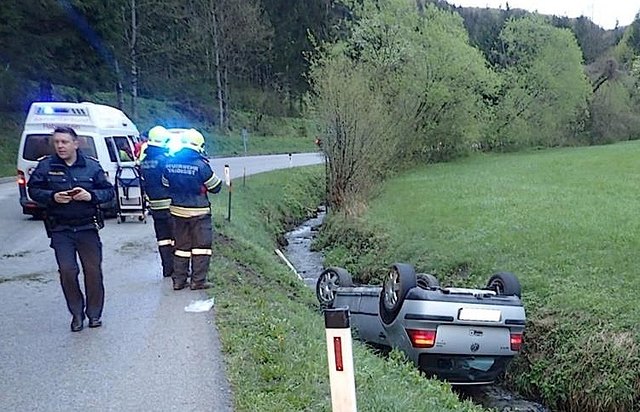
(328, 281)
(505, 283)
(427, 281)
(397, 283)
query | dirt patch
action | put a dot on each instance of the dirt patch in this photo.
(28, 277)
(135, 247)
(15, 255)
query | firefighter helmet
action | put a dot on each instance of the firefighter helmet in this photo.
(158, 136)
(193, 139)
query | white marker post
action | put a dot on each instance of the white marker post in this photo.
(340, 356)
(227, 181)
(290, 160)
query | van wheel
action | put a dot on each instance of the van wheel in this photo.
(505, 283)
(328, 282)
(399, 280)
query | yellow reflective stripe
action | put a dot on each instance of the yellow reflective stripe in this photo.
(188, 211)
(165, 242)
(212, 182)
(159, 204)
(201, 252)
(182, 253)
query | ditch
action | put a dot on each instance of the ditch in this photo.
(309, 264)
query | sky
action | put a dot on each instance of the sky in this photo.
(603, 12)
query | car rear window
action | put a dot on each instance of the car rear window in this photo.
(38, 145)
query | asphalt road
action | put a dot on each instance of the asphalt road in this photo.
(149, 355)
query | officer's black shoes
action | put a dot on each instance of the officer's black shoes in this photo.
(204, 285)
(77, 323)
(179, 285)
(95, 322)
(167, 275)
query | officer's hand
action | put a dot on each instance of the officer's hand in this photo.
(80, 194)
(62, 197)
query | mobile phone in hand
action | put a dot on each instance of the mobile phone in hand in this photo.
(73, 192)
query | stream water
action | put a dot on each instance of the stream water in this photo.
(309, 265)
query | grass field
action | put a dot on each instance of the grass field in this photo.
(564, 221)
(271, 329)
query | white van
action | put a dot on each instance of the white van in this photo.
(104, 132)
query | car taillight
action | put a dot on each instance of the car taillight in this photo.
(21, 180)
(422, 338)
(516, 342)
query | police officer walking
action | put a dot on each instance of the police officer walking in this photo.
(189, 179)
(153, 161)
(71, 186)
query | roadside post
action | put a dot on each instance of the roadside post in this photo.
(227, 181)
(245, 139)
(290, 160)
(340, 357)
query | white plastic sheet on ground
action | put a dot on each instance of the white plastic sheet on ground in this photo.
(199, 306)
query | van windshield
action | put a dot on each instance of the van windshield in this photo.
(38, 145)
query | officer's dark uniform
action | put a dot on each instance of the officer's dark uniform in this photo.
(189, 178)
(152, 165)
(73, 227)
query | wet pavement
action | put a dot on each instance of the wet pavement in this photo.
(309, 264)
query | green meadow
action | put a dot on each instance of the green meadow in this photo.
(565, 221)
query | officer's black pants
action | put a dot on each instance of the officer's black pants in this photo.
(194, 236)
(87, 245)
(163, 225)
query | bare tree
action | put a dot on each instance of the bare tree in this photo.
(232, 33)
(358, 139)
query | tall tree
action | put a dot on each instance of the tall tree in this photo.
(418, 77)
(545, 91)
(234, 36)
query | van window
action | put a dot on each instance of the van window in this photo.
(38, 145)
(122, 145)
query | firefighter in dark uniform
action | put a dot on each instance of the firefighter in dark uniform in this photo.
(190, 178)
(71, 186)
(152, 163)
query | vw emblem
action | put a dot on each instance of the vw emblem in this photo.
(474, 347)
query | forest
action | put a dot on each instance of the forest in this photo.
(439, 81)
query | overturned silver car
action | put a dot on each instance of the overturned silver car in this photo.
(464, 336)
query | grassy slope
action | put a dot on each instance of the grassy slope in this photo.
(270, 135)
(271, 329)
(9, 139)
(565, 222)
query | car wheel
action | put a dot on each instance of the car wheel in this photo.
(398, 281)
(427, 281)
(328, 281)
(505, 283)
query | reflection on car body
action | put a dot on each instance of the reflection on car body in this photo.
(464, 336)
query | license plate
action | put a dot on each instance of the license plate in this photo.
(480, 315)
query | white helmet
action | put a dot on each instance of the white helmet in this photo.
(193, 139)
(158, 136)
